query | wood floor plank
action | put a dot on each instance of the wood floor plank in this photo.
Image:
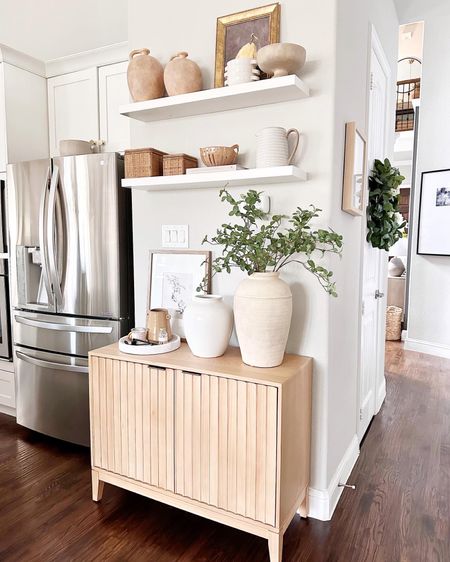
(400, 511)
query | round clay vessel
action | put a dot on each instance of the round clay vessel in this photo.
(262, 315)
(281, 59)
(208, 323)
(182, 75)
(145, 76)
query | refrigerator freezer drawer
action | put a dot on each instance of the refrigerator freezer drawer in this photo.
(53, 394)
(64, 334)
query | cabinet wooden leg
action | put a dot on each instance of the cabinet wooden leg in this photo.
(275, 547)
(304, 507)
(97, 486)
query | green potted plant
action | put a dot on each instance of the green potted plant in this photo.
(261, 245)
(385, 224)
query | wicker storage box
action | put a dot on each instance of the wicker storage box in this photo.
(394, 323)
(177, 164)
(143, 162)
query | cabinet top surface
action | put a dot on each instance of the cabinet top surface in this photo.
(229, 364)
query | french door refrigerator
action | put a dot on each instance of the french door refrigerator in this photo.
(71, 282)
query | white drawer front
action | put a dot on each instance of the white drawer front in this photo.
(7, 389)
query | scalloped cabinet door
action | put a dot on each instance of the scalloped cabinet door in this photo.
(226, 444)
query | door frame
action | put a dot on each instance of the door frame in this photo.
(379, 390)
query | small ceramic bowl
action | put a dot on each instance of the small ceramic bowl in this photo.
(72, 147)
(281, 59)
(219, 155)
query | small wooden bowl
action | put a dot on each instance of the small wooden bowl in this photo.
(219, 155)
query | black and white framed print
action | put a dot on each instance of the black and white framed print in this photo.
(434, 214)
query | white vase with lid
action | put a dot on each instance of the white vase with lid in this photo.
(262, 313)
(208, 323)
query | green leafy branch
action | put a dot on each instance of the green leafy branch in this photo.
(262, 242)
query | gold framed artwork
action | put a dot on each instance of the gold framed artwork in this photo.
(355, 170)
(235, 30)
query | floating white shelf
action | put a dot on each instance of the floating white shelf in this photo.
(275, 90)
(255, 176)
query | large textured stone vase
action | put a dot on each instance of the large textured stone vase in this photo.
(145, 76)
(262, 315)
(208, 323)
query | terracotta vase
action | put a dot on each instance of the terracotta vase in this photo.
(208, 323)
(182, 75)
(262, 315)
(145, 76)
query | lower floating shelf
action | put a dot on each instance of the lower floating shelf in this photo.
(255, 176)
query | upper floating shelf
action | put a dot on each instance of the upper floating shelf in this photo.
(255, 176)
(274, 90)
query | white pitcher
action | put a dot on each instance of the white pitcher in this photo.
(272, 147)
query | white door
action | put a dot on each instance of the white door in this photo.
(372, 386)
(113, 92)
(73, 107)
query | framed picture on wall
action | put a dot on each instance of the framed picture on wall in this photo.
(261, 25)
(174, 276)
(355, 170)
(434, 214)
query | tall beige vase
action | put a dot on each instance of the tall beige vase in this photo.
(262, 315)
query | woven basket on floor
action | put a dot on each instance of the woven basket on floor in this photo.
(394, 323)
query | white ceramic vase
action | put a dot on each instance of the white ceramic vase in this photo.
(208, 323)
(262, 314)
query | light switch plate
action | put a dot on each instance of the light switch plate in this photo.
(175, 236)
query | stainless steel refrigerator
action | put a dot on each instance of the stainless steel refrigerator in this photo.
(71, 282)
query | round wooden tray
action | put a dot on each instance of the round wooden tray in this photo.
(173, 344)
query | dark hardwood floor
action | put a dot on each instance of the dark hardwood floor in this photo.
(399, 512)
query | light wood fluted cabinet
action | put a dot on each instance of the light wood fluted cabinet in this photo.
(211, 436)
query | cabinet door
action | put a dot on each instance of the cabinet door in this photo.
(132, 430)
(7, 390)
(73, 107)
(226, 444)
(113, 92)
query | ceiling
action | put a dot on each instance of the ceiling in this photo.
(49, 29)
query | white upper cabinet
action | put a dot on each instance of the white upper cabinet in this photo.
(113, 92)
(23, 115)
(73, 107)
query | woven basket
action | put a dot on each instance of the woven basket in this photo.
(394, 323)
(143, 162)
(176, 164)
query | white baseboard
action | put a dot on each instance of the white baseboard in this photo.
(381, 394)
(322, 503)
(7, 410)
(427, 347)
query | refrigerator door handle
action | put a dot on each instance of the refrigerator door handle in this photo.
(51, 231)
(43, 211)
(63, 327)
(51, 364)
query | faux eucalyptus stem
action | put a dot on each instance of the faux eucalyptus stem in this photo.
(264, 242)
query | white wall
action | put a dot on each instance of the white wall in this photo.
(351, 104)
(429, 306)
(50, 29)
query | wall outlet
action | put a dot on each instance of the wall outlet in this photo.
(175, 235)
(264, 204)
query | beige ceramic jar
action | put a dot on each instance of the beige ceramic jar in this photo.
(262, 315)
(182, 75)
(145, 76)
